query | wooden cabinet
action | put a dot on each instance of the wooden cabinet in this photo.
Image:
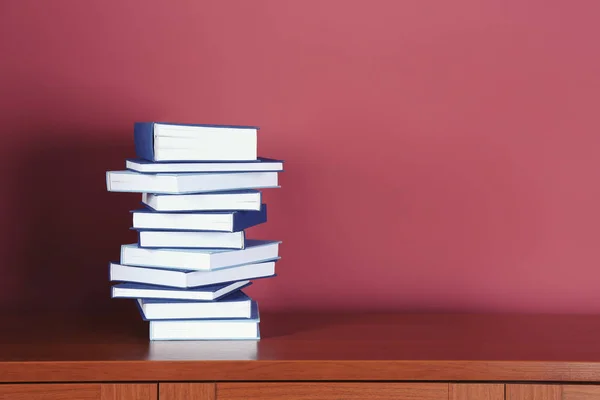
(332, 391)
(329, 391)
(186, 391)
(552, 392)
(306, 357)
(476, 391)
(78, 391)
(300, 391)
(373, 391)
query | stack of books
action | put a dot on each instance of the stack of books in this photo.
(200, 191)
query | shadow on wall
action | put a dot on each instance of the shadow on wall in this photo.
(69, 226)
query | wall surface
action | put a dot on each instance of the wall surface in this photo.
(440, 155)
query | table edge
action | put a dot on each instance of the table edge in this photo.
(298, 370)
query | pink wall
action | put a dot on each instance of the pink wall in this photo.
(441, 155)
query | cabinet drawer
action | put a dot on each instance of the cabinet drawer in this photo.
(332, 391)
(83, 391)
(552, 392)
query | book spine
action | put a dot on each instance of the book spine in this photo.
(143, 139)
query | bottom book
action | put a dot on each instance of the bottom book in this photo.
(208, 329)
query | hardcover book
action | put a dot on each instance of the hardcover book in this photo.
(214, 221)
(162, 141)
(235, 305)
(261, 164)
(190, 279)
(130, 290)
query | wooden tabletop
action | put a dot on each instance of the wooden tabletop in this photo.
(295, 346)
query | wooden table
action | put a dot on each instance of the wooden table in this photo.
(305, 356)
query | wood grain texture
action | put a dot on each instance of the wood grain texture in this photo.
(476, 391)
(187, 391)
(307, 347)
(332, 391)
(85, 391)
(580, 392)
(124, 391)
(88, 391)
(533, 392)
(552, 392)
(401, 370)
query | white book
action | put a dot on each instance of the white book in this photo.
(216, 201)
(217, 221)
(203, 349)
(158, 141)
(171, 183)
(199, 259)
(235, 305)
(192, 239)
(201, 329)
(261, 164)
(190, 279)
(130, 290)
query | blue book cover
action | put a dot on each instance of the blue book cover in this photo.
(132, 290)
(251, 197)
(261, 164)
(242, 219)
(246, 219)
(254, 315)
(203, 259)
(179, 279)
(143, 139)
(235, 296)
(143, 136)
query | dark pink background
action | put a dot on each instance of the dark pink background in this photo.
(440, 155)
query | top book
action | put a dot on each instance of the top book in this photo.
(161, 141)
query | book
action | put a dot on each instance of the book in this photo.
(199, 259)
(190, 279)
(199, 329)
(130, 290)
(172, 183)
(191, 239)
(261, 164)
(216, 221)
(241, 200)
(202, 350)
(165, 141)
(234, 305)
(201, 189)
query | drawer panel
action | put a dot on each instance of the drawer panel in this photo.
(332, 391)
